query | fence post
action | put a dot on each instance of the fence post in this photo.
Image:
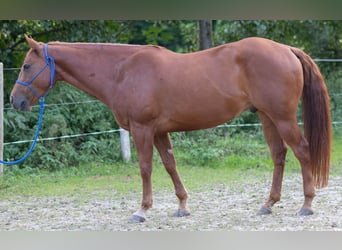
(1, 115)
(125, 145)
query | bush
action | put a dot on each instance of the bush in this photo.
(334, 83)
(59, 120)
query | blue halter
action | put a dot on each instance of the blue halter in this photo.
(49, 62)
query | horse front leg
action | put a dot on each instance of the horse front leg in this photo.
(143, 140)
(164, 147)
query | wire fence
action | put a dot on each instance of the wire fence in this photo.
(335, 123)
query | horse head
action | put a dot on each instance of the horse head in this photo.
(34, 79)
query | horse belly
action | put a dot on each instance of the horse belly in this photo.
(202, 103)
(201, 115)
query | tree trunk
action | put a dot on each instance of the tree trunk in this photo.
(205, 34)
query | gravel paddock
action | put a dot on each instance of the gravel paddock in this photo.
(214, 208)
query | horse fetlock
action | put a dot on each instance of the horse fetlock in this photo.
(273, 200)
(182, 196)
(146, 205)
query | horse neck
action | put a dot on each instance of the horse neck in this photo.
(90, 67)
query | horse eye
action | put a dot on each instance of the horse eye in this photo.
(27, 66)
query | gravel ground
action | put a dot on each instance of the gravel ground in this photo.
(214, 208)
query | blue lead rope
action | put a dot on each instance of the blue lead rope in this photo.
(49, 62)
(41, 104)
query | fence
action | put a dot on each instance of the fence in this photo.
(124, 135)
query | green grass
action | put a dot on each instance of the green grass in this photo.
(123, 178)
(236, 159)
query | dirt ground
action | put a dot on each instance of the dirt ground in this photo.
(215, 208)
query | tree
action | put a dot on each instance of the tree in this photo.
(205, 34)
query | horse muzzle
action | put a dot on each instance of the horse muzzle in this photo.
(20, 103)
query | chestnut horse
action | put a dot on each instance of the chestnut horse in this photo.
(153, 91)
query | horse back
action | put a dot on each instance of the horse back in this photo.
(177, 91)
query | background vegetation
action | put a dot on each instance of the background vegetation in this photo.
(320, 39)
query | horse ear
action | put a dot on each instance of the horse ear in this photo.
(32, 43)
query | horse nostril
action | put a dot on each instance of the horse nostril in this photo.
(11, 99)
(23, 106)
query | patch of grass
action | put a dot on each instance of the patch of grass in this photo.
(241, 158)
(336, 155)
(84, 179)
(120, 178)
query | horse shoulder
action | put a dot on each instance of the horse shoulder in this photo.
(137, 84)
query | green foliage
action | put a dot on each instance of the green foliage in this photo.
(334, 84)
(59, 120)
(173, 35)
(216, 147)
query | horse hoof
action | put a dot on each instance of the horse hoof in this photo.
(182, 213)
(305, 211)
(136, 219)
(264, 211)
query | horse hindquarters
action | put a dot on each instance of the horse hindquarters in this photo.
(313, 149)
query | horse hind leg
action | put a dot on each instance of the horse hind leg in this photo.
(278, 151)
(291, 133)
(164, 146)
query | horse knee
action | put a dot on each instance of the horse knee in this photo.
(145, 171)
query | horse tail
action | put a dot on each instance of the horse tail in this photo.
(317, 118)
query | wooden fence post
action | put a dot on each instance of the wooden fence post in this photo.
(1, 116)
(125, 145)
